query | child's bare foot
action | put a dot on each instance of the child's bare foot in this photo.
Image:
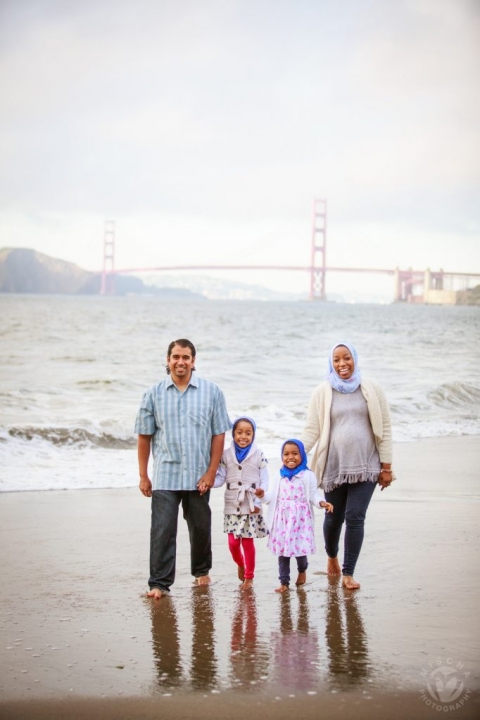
(333, 567)
(202, 580)
(156, 593)
(282, 589)
(301, 579)
(247, 584)
(349, 583)
(241, 572)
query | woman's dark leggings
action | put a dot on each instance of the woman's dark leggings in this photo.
(350, 502)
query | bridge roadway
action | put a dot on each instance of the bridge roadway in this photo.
(302, 268)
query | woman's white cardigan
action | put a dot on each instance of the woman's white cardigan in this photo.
(312, 493)
(317, 426)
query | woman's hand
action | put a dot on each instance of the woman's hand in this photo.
(259, 492)
(385, 478)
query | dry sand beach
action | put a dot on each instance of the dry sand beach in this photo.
(79, 639)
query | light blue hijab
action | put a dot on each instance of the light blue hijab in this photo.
(353, 382)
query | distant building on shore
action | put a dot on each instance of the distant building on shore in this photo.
(428, 288)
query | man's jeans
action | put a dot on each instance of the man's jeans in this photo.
(163, 534)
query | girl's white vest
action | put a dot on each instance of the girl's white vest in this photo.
(241, 481)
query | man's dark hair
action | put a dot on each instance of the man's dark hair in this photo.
(184, 344)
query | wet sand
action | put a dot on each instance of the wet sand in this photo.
(79, 638)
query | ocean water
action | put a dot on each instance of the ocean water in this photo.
(73, 370)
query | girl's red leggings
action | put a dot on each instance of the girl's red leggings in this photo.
(243, 553)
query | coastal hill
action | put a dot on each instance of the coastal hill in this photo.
(469, 297)
(23, 270)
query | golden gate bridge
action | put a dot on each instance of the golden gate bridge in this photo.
(424, 286)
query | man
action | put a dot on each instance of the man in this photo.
(183, 420)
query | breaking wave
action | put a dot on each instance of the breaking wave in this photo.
(80, 437)
(455, 395)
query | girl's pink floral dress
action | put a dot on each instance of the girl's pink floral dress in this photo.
(292, 533)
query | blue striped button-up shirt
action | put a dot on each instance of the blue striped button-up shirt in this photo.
(182, 425)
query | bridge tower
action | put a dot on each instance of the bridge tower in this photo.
(319, 244)
(108, 277)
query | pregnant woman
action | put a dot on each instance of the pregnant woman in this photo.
(348, 422)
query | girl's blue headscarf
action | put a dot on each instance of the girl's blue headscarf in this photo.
(353, 382)
(290, 473)
(240, 452)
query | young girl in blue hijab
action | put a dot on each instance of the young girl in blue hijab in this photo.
(290, 521)
(243, 468)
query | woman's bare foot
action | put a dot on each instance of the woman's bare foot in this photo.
(203, 580)
(301, 579)
(241, 572)
(156, 593)
(247, 584)
(333, 567)
(282, 589)
(349, 583)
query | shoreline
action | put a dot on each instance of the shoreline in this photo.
(400, 448)
(80, 639)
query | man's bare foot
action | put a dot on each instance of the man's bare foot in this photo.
(156, 593)
(247, 584)
(333, 567)
(203, 580)
(282, 589)
(301, 579)
(349, 583)
(241, 572)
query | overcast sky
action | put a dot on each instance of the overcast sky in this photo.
(205, 128)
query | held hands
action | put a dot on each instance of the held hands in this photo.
(258, 493)
(328, 506)
(202, 487)
(205, 483)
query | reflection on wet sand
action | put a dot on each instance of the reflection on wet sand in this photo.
(166, 644)
(249, 657)
(347, 643)
(295, 647)
(202, 674)
(203, 668)
(186, 656)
